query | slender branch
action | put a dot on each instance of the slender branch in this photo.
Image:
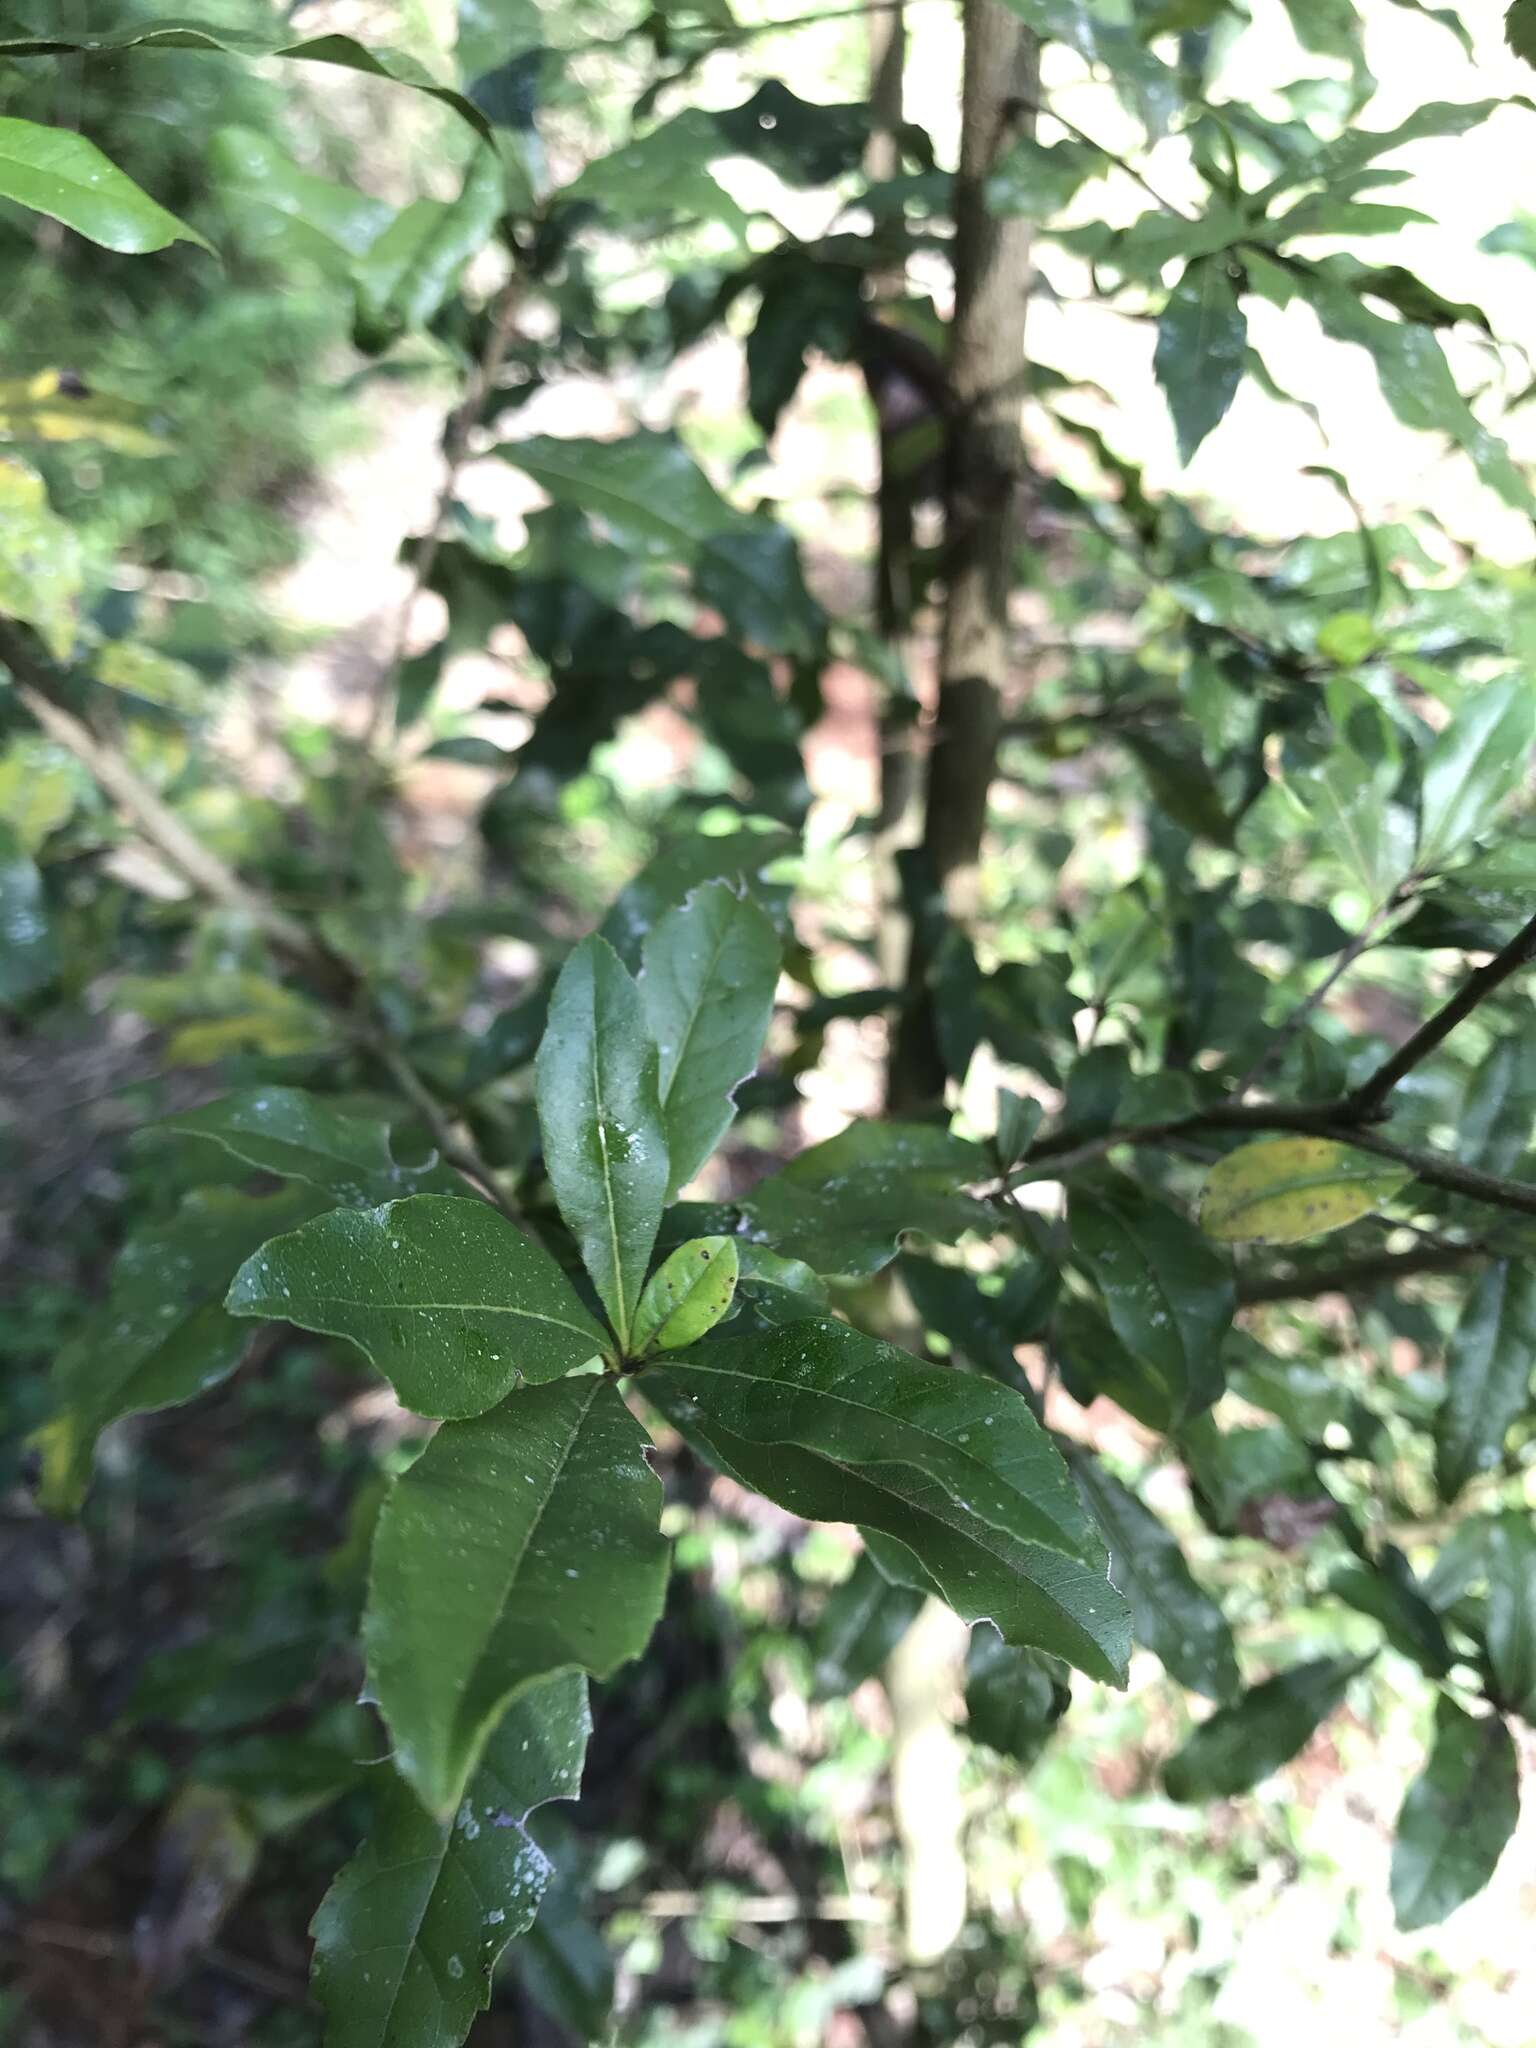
(453, 1150)
(1369, 1099)
(1348, 1274)
(1367, 935)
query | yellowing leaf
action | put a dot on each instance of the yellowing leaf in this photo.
(55, 405)
(39, 559)
(1282, 1190)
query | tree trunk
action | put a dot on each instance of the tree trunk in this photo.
(992, 275)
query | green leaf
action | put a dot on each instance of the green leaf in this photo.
(411, 1929)
(451, 1303)
(1510, 1630)
(1039, 179)
(1244, 1743)
(1169, 1297)
(983, 1327)
(1344, 791)
(288, 211)
(161, 1337)
(29, 957)
(1487, 1374)
(707, 984)
(1416, 381)
(1520, 29)
(1018, 1119)
(1456, 1819)
(740, 858)
(655, 500)
(1498, 1111)
(407, 273)
(58, 172)
(1034, 1596)
(520, 1544)
(1013, 1698)
(393, 65)
(1172, 1616)
(661, 175)
(1202, 346)
(303, 1137)
(1473, 765)
(963, 1449)
(841, 1206)
(1284, 1190)
(687, 1296)
(40, 559)
(605, 1143)
(864, 1619)
(1390, 1594)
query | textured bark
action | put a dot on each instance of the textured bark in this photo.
(992, 276)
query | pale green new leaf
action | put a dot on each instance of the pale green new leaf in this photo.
(411, 1929)
(520, 1544)
(707, 981)
(1456, 1819)
(686, 1296)
(605, 1142)
(450, 1302)
(58, 172)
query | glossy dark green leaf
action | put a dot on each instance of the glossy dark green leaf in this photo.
(1473, 765)
(520, 1544)
(710, 968)
(805, 306)
(1171, 1615)
(237, 42)
(1013, 1698)
(1488, 1369)
(410, 1931)
(686, 1296)
(450, 1302)
(1241, 1745)
(605, 1141)
(562, 1962)
(984, 1327)
(161, 1336)
(1168, 1295)
(960, 1447)
(1498, 1111)
(1018, 1119)
(1202, 345)
(1034, 1597)
(1390, 1594)
(842, 1205)
(58, 172)
(1456, 1819)
(29, 957)
(300, 1136)
(864, 1619)
(1509, 1551)
(808, 142)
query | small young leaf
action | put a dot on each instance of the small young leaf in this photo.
(1487, 1374)
(707, 983)
(605, 1144)
(411, 1929)
(1018, 1119)
(57, 171)
(1456, 1819)
(520, 1544)
(1248, 1741)
(687, 1296)
(1284, 1190)
(1202, 345)
(1168, 1296)
(448, 1300)
(1171, 1615)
